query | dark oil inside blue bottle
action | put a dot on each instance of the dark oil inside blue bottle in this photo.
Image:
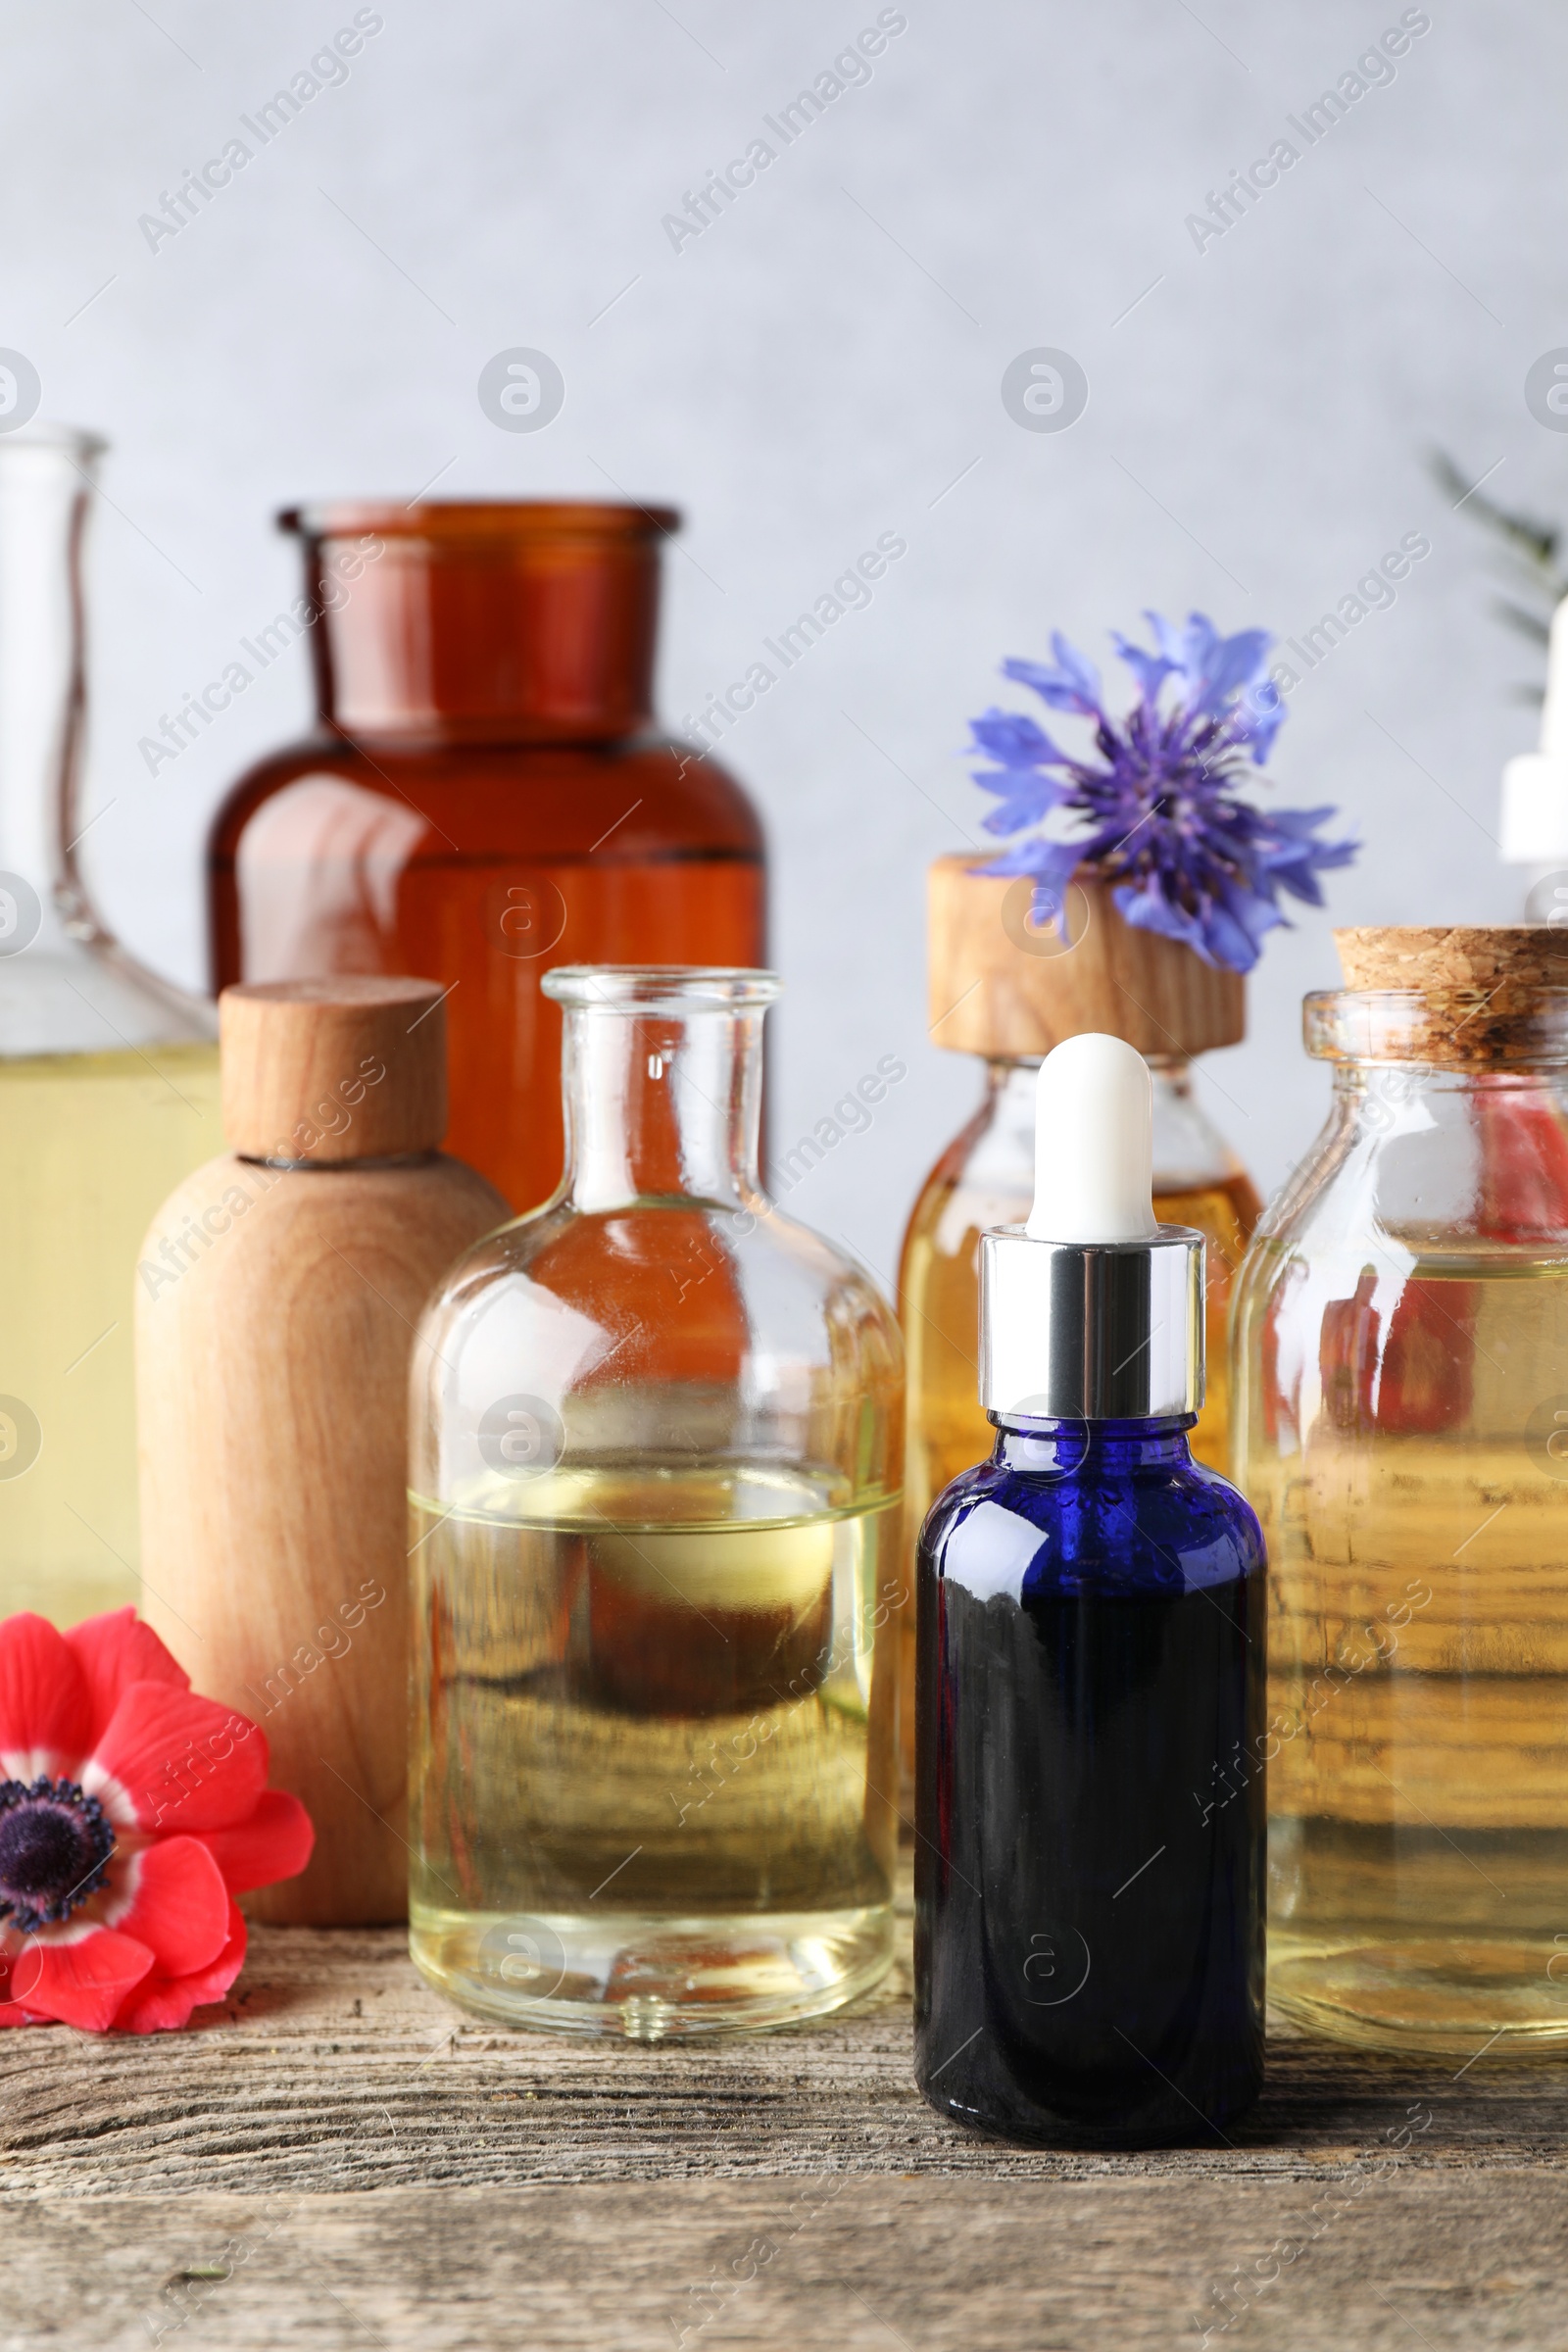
(1089, 1871)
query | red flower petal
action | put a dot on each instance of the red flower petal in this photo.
(275, 1843)
(81, 1979)
(113, 1650)
(176, 1762)
(172, 1898)
(11, 2013)
(163, 2003)
(45, 1715)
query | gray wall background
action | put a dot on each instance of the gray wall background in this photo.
(821, 364)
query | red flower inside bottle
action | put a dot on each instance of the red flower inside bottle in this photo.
(131, 1813)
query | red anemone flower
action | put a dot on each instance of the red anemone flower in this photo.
(131, 1813)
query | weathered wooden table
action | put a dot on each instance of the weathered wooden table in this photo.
(339, 2159)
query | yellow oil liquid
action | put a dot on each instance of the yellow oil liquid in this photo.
(1418, 1675)
(653, 1746)
(90, 1144)
(939, 1306)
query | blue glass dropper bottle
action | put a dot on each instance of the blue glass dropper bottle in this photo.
(1088, 1869)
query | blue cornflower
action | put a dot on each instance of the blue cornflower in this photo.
(1165, 821)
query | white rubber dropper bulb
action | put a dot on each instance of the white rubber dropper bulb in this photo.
(1093, 1143)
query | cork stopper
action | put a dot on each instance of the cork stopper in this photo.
(1001, 988)
(334, 1069)
(1464, 996)
(1463, 955)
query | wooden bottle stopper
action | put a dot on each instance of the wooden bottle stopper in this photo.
(275, 1315)
(1473, 994)
(1003, 987)
(1458, 956)
(295, 1051)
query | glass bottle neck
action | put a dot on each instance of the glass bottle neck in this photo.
(1010, 1089)
(483, 624)
(1189, 1149)
(1390, 1084)
(661, 1107)
(67, 985)
(46, 489)
(1083, 1449)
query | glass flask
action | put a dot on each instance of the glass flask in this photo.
(1400, 1399)
(484, 795)
(657, 1444)
(108, 1082)
(986, 1177)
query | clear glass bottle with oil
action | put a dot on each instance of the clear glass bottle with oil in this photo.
(108, 1083)
(656, 1483)
(1007, 989)
(1401, 1403)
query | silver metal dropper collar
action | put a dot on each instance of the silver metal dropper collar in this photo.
(1096, 1331)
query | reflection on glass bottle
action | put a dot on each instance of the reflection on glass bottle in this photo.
(655, 1542)
(485, 795)
(108, 1084)
(1401, 1338)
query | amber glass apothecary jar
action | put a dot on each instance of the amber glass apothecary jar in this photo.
(484, 795)
(1400, 1421)
(656, 1439)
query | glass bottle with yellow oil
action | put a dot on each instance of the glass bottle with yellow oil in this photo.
(1007, 989)
(1400, 1426)
(108, 1084)
(657, 1436)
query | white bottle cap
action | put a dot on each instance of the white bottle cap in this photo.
(1091, 1310)
(1535, 785)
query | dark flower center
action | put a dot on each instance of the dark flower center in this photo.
(54, 1845)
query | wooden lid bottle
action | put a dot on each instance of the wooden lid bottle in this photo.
(277, 1300)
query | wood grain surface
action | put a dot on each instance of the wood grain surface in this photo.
(337, 2158)
(996, 985)
(272, 1386)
